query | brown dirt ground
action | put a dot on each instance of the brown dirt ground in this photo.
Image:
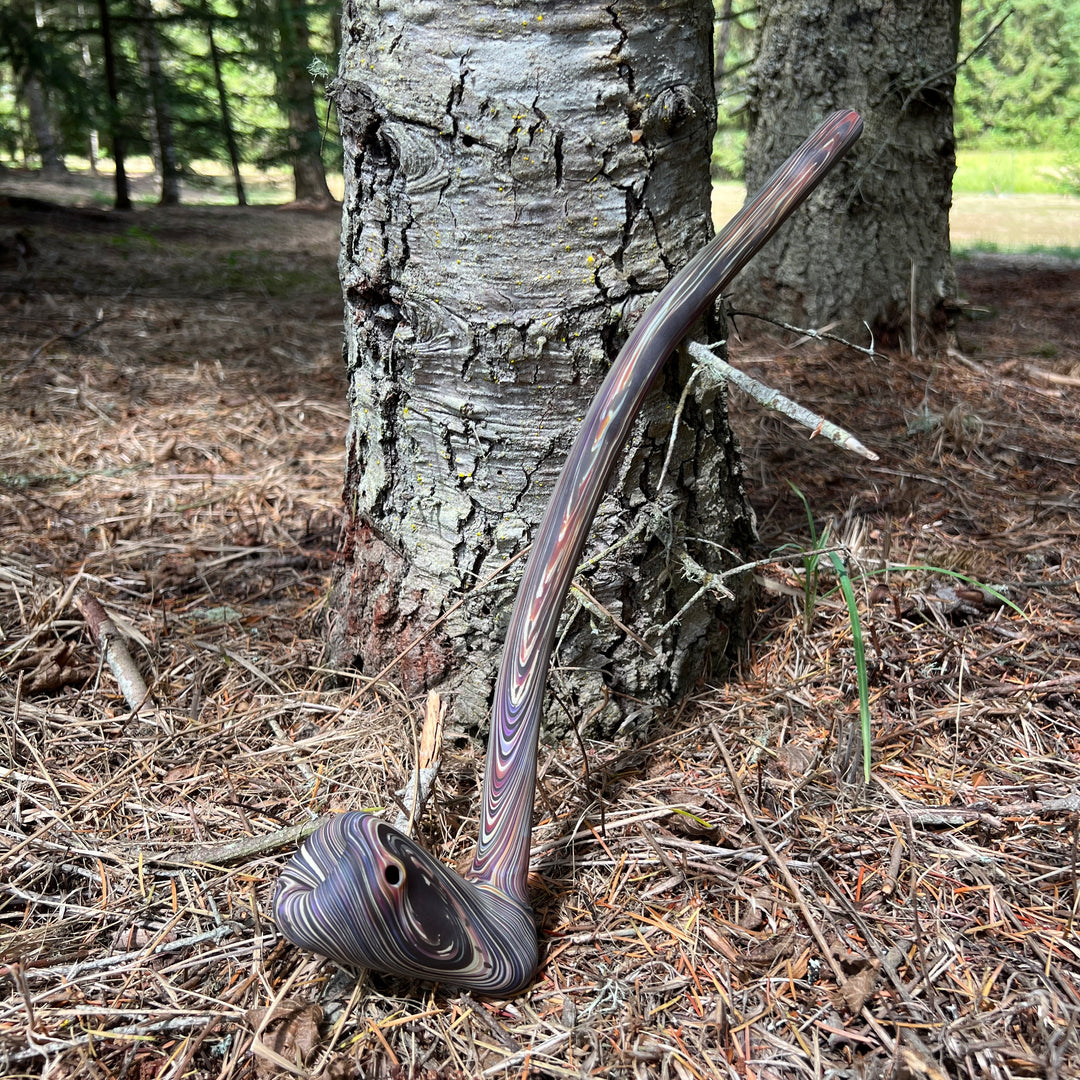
(171, 426)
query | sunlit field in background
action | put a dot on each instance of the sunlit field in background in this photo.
(1002, 201)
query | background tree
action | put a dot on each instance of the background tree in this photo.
(884, 214)
(122, 200)
(42, 74)
(91, 139)
(1021, 88)
(190, 80)
(160, 107)
(518, 187)
(41, 123)
(297, 96)
(228, 127)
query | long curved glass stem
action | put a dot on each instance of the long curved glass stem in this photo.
(361, 892)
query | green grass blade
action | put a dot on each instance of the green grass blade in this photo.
(860, 658)
(810, 563)
(899, 567)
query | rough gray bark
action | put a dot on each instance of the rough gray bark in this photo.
(519, 183)
(848, 255)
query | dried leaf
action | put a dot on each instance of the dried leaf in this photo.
(287, 1038)
(856, 991)
(793, 760)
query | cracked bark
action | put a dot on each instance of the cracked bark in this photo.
(847, 256)
(518, 186)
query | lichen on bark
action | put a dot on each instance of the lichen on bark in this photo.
(518, 185)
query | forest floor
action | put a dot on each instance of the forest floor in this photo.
(172, 420)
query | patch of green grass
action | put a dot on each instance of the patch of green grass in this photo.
(989, 247)
(821, 545)
(264, 274)
(1009, 172)
(135, 238)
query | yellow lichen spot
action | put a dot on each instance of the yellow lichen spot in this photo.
(539, 18)
(590, 259)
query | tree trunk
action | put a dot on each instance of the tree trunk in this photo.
(123, 192)
(32, 81)
(93, 149)
(298, 101)
(518, 187)
(848, 256)
(161, 125)
(41, 125)
(227, 128)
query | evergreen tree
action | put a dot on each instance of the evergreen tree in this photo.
(1022, 86)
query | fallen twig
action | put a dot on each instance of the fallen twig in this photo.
(237, 850)
(418, 790)
(69, 336)
(766, 396)
(115, 651)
